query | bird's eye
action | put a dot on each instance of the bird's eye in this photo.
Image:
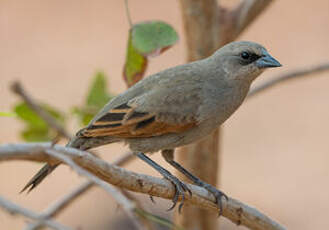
(245, 55)
(248, 57)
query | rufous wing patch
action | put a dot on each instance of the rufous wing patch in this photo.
(123, 121)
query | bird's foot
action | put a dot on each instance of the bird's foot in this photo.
(180, 189)
(217, 194)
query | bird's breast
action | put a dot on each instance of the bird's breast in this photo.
(221, 101)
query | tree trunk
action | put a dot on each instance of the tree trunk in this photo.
(200, 20)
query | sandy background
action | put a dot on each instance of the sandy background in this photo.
(275, 147)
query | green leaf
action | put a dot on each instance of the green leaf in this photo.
(152, 38)
(157, 219)
(35, 128)
(146, 39)
(7, 114)
(135, 65)
(32, 134)
(28, 116)
(97, 97)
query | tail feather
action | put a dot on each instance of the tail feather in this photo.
(82, 143)
(39, 177)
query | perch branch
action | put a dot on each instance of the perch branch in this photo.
(293, 75)
(127, 205)
(18, 89)
(13, 209)
(234, 210)
(62, 203)
(59, 205)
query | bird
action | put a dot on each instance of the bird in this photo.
(173, 108)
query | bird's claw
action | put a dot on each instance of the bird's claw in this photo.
(218, 197)
(180, 189)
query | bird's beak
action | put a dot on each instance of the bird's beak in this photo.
(267, 61)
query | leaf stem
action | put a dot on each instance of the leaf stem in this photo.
(128, 14)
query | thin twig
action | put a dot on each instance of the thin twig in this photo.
(13, 208)
(18, 89)
(59, 205)
(234, 210)
(146, 222)
(128, 14)
(127, 205)
(293, 75)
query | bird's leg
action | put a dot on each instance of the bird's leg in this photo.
(168, 155)
(180, 187)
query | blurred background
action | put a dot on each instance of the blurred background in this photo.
(275, 147)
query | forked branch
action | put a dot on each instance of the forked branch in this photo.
(234, 210)
(14, 209)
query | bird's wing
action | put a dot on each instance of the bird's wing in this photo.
(170, 108)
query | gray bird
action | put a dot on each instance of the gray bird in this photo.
(175, 107)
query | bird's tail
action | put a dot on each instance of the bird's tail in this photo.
(43, 172)
(47, 169)
(81, 143)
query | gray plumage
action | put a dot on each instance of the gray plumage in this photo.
(206, 92)
(175, 107)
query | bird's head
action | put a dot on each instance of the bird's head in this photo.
(244, 60)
